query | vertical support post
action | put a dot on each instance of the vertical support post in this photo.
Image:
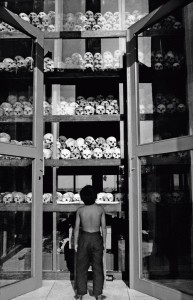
(54, 241)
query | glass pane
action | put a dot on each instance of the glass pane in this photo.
(163, 86)
(15, 219)
(47, 242)
(40, 14)
(16, 96)
(166, 212)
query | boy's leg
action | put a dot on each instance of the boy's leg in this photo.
(98, 273)
(82, 265)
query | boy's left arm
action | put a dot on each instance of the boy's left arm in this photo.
(76, 230)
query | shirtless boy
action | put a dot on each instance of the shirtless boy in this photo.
(89, 244)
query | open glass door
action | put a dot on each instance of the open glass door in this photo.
(160, 84)
(21, 161)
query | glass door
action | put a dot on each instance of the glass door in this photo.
(160, 82)
(21, 156)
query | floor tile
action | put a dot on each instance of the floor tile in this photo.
(39, 294)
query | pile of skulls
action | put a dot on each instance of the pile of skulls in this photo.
(4, 27)
(163, 103)
(98, 21)
(17, 106)
(88, 61)
(43, 21)
(15, 197)
(169, 61)
(90, 106)
(17, 64)
(169, 23)
(105, 197)
(167, 197)
(67, 197)
(88, 148)
(98, 105)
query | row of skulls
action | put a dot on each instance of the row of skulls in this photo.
(166, 197)
(17, 64)
(65, 198)
(169, 23)
(98, 21)
(43, 21)
(81, 148)
(88, 61)
(162, 109)
(170, 60)
(82, 106)
(6, 138)
(17, 106)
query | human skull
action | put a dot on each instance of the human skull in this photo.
(181, 107)
(2, 67)
(154, 197)
(100, 197)
(47, 108)
(101, 21)
(28, 111)
(77, 198)
(111, 141)
(100, 141)
(108, 153)
(89, 140)
(177, 197)
(100, 110)
(24, 17)
(8, 198)
(104, 146)
(89, 110)
(28, 198)
(8, 111)
(158, 66)
(75, 154)
(51, 28)
(47, 153)
(4, 137)
(71, 144)
(108, 197)
(156, 26)
(35, 22)
(48, 138)
(116, 152)
(177, 25)
(79, 111)
(47, 198)
(158, 57)
(97, 153)
(96, 27)
(65, 154)
(32, 15)
(41, 27)
(169, 57)
(161, 109)
(42, 15)
(87, 154)
(18, 111)
(108, 15)
(12, 99)
(171, 108)
(176, 66)
(107, 27)
(83, 147)
(18, 197)
(110, 110)
(88, 57)
(89, 14)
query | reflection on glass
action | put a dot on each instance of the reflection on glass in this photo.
(16, 97)
(15, 224)
(47, 242)
(65, 245)
(166, 208)
(163, 95)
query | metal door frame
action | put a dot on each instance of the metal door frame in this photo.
(136, 151)
(34, 152)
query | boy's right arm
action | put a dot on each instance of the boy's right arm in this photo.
(76, 230)
(103, 227)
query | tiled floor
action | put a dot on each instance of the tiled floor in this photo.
(63, 290)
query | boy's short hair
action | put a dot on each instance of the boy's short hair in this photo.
(88, 195)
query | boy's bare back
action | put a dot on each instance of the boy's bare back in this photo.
(91, 217)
